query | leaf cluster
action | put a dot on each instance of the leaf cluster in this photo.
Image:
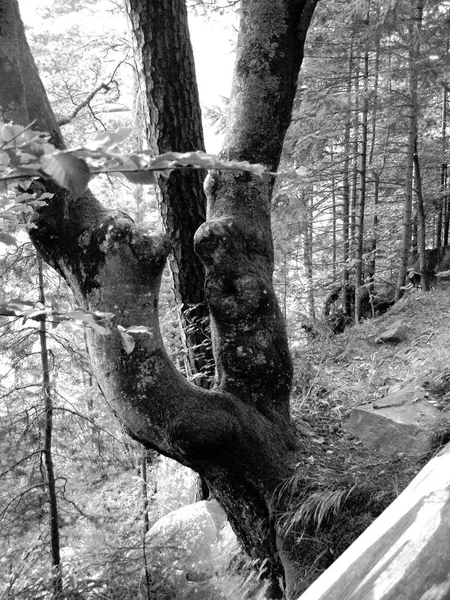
(27, 154)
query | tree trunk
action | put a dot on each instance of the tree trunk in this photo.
(145, 517)
(414, 53)
(403, 555)
(48, 450)
(174, 124)
(376, 174)
(371, 270)
(333, 213)
(421, 225)
(361, 206)
(307, 252)
(355, 149)
(346, 186)
(239, 435)
(443, 208)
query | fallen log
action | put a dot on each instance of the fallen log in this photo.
(405, 553)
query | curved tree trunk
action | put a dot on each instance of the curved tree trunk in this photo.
(237, 436)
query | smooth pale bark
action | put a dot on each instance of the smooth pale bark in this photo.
(404, 554)
(239, 435)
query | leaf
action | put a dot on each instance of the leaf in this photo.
(139, 329)
(68, 171)
(203, 160)
(8, 239)
(89, 319)
(4, 159)
(33, 313)
(105, 139)
(142, 177)
(128, 342)
(21, 208)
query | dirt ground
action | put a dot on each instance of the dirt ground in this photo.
(340, 485)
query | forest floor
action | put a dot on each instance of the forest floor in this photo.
(341, 485)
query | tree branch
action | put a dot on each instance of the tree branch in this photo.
(65, 120)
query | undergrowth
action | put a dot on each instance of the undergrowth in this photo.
(339, 487)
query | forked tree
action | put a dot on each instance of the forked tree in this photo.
(239, 435)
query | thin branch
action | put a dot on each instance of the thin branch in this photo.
(84, 103)
(19, 497)
(85, 418)
(19, 462)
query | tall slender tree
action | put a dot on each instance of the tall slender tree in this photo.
(414, 27)
(50, 478)
(362, 172)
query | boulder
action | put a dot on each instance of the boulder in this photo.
(401, 422)
(190, 553)
(395, 334)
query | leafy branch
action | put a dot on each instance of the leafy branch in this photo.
(101, 323)
(27, 154)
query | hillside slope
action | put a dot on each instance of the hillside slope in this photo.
(341, 486)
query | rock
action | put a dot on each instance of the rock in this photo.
(401, 422)
(395, 334)
(190, 552)
(412, 392)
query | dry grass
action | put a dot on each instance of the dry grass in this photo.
(339, 486)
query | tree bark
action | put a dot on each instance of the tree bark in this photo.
(442, 226)
(174, 124)
(48, 450)
(421, 224)
(355, 147)
(414, 52)
(308, 251)
(239, 435)
(346, 186)
(361, 206)
(376, 173)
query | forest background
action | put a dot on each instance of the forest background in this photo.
(369, 140)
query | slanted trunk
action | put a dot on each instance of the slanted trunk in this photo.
(239, 435)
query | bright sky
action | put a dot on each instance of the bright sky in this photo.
(212, 41)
